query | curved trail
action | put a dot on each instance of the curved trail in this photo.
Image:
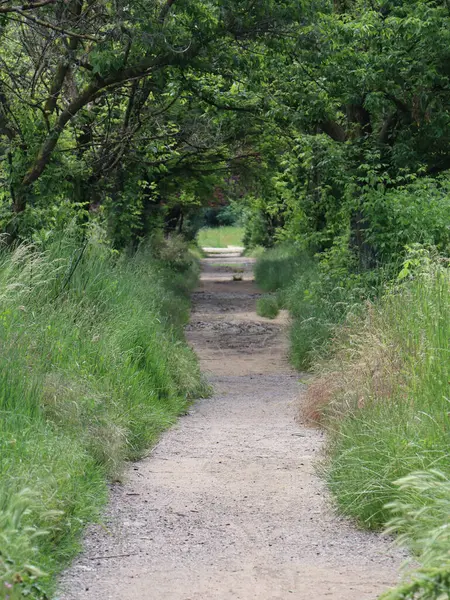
(228, 505)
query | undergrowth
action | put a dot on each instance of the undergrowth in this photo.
(317, 301)
(93, 367)
(384, 396)
(380, 357)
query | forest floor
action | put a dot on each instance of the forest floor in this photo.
(228, 506)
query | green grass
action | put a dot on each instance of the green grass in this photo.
(390, 436)
(278, 267)
(93, 367)
(421, 518)
(382, 373)
(220, 237)
(255, 252)
(316, 301)
(388, 454)
(267, 306)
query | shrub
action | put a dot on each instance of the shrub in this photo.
(417, 213)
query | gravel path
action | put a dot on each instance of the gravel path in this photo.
(228, 506)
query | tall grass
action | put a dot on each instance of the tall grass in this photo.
(381, 387)
(93, 367)
(397, 421)
(422, 520)
(220, 237)
(267, 306)
(317, 302)
(385, 399)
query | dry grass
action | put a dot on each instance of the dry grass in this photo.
(366, 366)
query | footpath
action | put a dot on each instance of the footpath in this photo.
(228, 505)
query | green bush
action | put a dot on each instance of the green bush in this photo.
(418, 213)
(93, 367)
(267, 306)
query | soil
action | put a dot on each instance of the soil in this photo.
(228, 506)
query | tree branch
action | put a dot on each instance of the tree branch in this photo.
(335, 131)
(25, 7)
(41, 23)
(90, 92)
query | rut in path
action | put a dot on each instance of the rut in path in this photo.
(228, 505)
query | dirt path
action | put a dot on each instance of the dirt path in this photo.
(228, 505)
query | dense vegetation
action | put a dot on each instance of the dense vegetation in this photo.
(323, 127)
(93, 367)
(381, 372)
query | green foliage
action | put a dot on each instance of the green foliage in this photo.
(145, 114)
(99, 337)
(227, 215)
(267, 306)
(416, 213)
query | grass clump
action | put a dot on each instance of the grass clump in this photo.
(381, 387)
(393, 419)
(267, 306)
(220, 237)
(93, 367)
(278, 267)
